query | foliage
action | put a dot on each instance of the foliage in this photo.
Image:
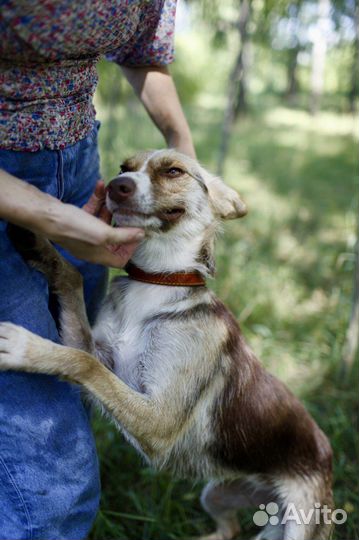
(285, 30)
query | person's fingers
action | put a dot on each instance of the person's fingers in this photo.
(105, 215)
(124, 235)
(117, 259)
(114, 256)
(97, 199)
(96, 205)
(124, 249)
(124, 252)
(100, 189)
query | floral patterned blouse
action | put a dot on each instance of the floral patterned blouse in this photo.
(48, 55)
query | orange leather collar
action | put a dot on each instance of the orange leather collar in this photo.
(176, 279)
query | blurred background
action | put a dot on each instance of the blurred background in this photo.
(270, 89)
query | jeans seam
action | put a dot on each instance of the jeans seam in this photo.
(60, 175)
(21, 498)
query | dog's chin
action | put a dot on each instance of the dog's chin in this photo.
(142, 221)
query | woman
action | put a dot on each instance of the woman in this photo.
(49, 486)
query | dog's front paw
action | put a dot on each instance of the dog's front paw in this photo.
(14, 345)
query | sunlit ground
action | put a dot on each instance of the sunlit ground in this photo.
(285, 271)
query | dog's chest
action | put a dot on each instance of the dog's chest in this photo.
(123, 327)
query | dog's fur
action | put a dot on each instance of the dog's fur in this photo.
(175, 372)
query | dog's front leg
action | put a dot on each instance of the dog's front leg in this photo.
(64, 281)
(140, 416)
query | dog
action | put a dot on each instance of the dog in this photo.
(168, 362)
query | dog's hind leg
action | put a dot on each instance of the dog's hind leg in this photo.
(223, 500)
(64, 281)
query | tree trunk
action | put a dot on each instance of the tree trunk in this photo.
(319, 52)
(241, 106)
(292, 79)
(351, 345)
(235, 79)
(354, 86)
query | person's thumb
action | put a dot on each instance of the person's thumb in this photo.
(97, 199)
(125, 235)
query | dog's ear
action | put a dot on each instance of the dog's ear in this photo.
(225, 201)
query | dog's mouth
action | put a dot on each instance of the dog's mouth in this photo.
(125, 214)
(130, 212)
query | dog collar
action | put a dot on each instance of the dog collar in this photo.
(175, 279)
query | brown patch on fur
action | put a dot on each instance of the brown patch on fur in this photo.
(162, 183)
(166, 188)
(134, 163)
(165, 162)
(168, 225)
(206, 257)
(169, 192)
(195, 312)
(256, 412)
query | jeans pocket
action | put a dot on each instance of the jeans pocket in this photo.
(15, 521)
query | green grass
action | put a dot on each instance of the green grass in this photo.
(285, 271)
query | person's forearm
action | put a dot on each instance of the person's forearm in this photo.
(155, 88)
(27, 206)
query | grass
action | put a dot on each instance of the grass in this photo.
(285, 271)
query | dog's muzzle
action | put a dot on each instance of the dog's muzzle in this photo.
(121, 189)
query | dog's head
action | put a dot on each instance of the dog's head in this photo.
(163, 189)
(172, 197)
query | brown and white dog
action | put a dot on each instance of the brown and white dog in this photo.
(168, 362)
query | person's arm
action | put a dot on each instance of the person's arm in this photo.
(156, 89)
(76, 230)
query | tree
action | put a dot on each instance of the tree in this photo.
(294, 47)
(319, 51)
(345, 11)
(351, 345)
(354, 86)
(236, 98)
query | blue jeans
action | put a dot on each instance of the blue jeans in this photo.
(49, 480)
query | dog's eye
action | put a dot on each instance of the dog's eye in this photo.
(173, 172)
(124, 169)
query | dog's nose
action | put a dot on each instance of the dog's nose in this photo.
(121, 188)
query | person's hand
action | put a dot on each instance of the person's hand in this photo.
(79, 231)
(109, 246)
(96, 205)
